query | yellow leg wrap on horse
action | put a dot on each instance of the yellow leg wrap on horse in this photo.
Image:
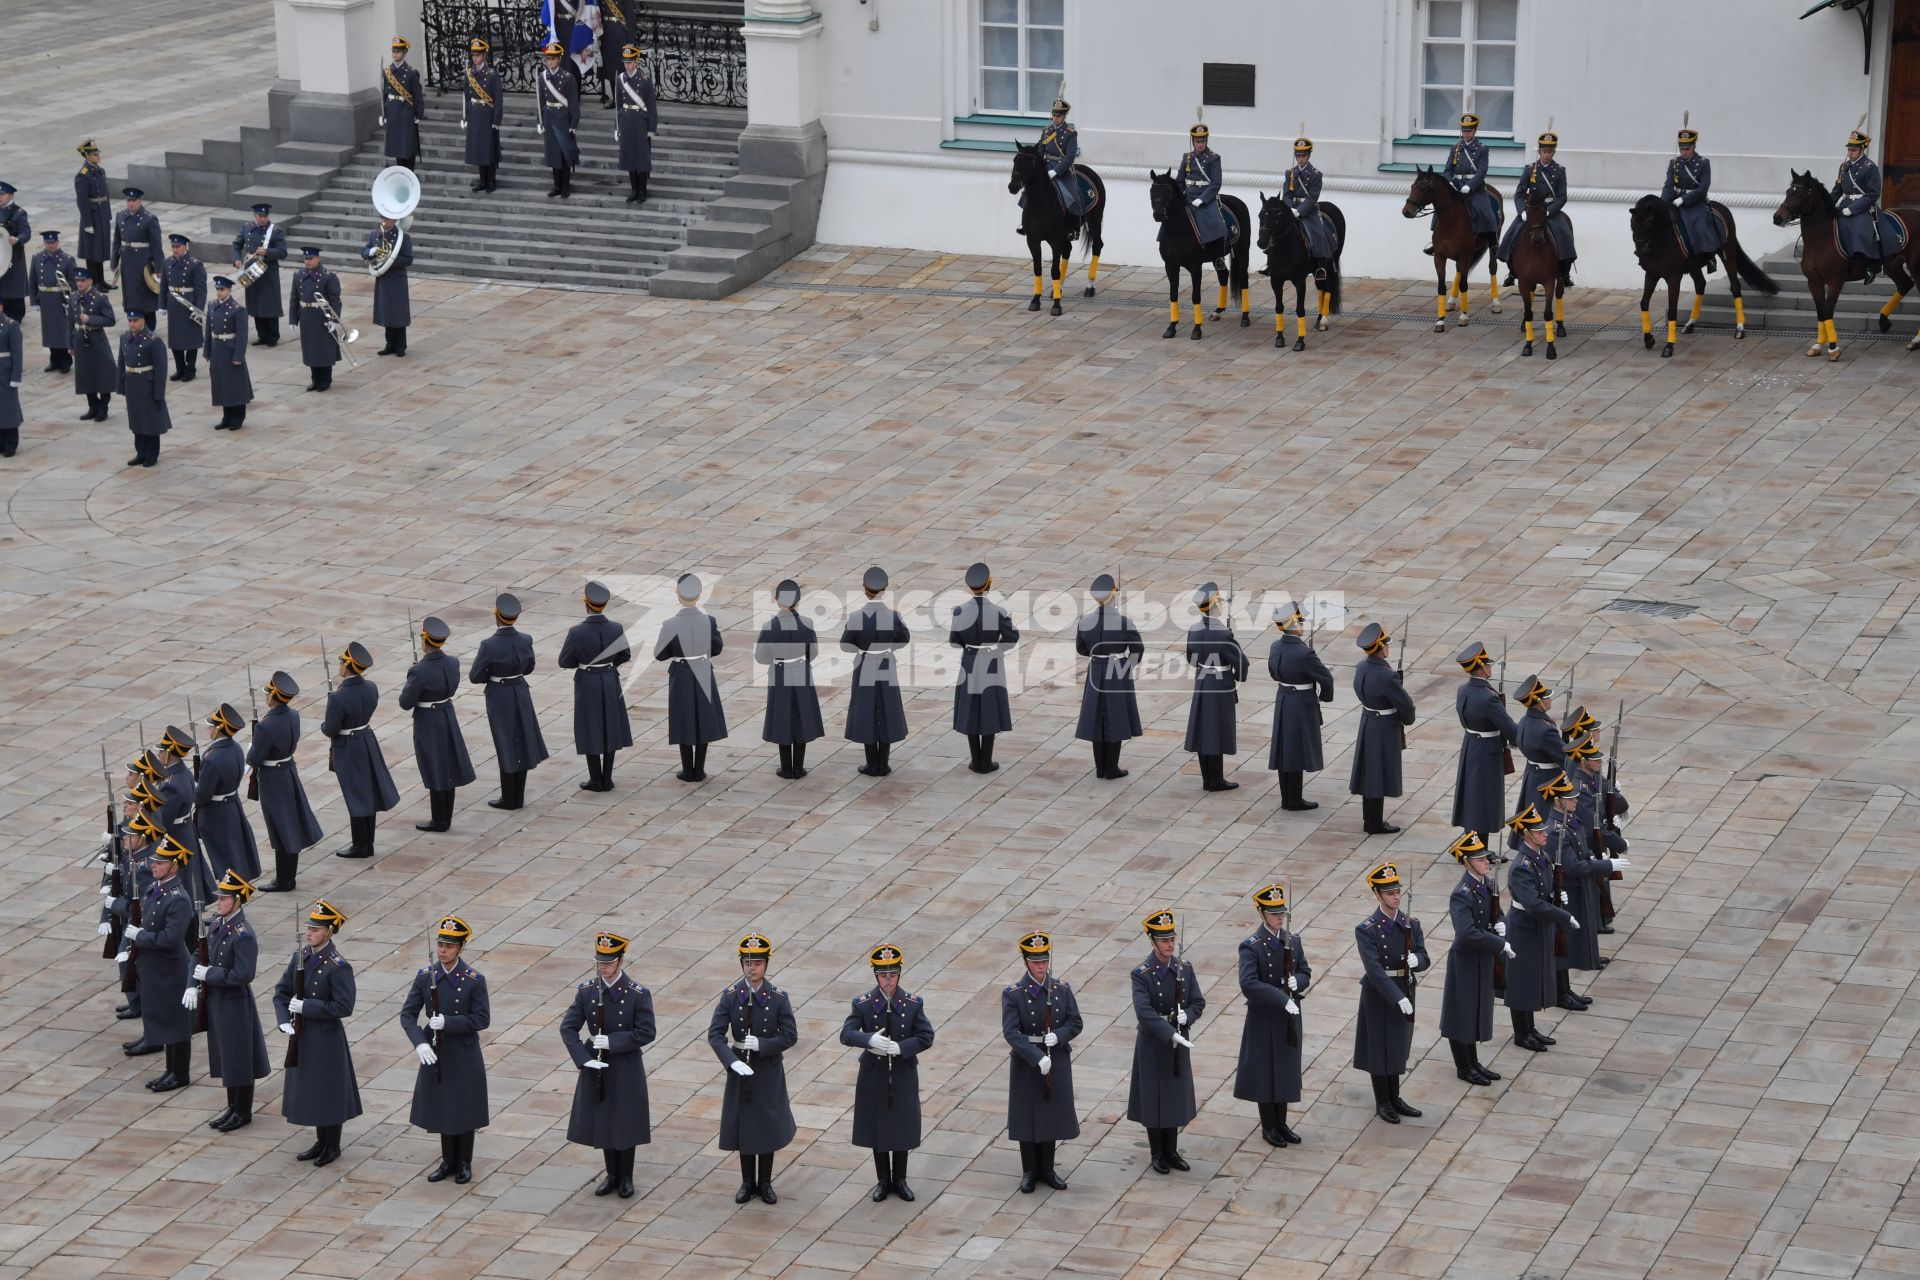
(1173, 312)
(1646, 321)
(1673, 331)
(1549, 330)
(1560, 309)
(1440, 306)
(1223, 299)
(1056, 289)
(1246, 305)
(1326, 304)
(1893, 304)
(1279, 322)
(1199, 315)
(1093, 268)
(1695, 313)
(1493, 283)
(1300, 326)
(1529, 331)
(1036, 286)
(1740, 312)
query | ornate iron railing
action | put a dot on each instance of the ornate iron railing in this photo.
(695, 60)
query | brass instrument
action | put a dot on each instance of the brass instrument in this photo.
(334, 327)
(152, 279)
(395, 194)
(199, 316)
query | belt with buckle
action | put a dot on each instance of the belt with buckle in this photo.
(1381, 711)
(268, 764)
(504, 679)
(1298, 688)
(228, 796)
(1542, 764)
(133, 244)
(1399, 973)
(598, 666)
(422, 706)
(1483, 733)
(348, 733)
(138, 368)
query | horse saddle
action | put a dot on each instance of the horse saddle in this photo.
(1089, 194)
(1894, 233)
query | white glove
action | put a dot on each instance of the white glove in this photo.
(1292, 982)
(286, 1028)
(425, 1053)
(1182, 1041)
(881, 1044)
(751, 1044)
(1406, 1006)
(1180, 1017)
(105, 928)
(739, 1068)
(1573, 924)
(1461, 187)
(1500, 928)
(190, 998)
(1046, 1065)
(106, 891)
(1507, 950)
(296, 1004)
(594, 1064)
(1292, 1007)
(1050, 1039)
(1053, 173)
(200, 973)
(131, 932)
(1846, 213)
(1618, 864)
(1415, 960)
(123, 957)
(1677, 202)
(601, 1042)
(437, 1022)
(1563, 897)
(1196, 204)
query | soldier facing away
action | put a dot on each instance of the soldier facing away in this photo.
(786, 647)
(984, 633)
(439, 748)
(689, 641)
(354, 756)
(291, 826)
(1109, 706)
(502, 663)
(876, 717)
(595, 649)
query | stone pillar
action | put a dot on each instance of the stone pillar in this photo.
(339, 46)
(783, 137)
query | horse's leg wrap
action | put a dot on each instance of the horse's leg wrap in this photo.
(1740, 312)
(1223, 297)
(1173, 312)
(1300, 326)
(1646, 320)
(1673, 328)
(1279, 322)
(1549, 330)
(1093, 268)
(1056, 287)
(1559, 309)
(1529, 331)
(1199, 313)
(1326, 303)
(1246, 307)
(1694, 314)
(1036, 284)
(1893, 304)
(1440, 306)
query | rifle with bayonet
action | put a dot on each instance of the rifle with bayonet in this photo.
(253, 705)
(1500, 692)
(116, 887)
(1612, 782)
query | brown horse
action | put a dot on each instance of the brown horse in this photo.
(1656, 243)
(1455, 241)
(1537, 262)
(1827, 269)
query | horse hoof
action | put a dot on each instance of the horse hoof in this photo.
(1218, 312)
(1463, 320)
(1666, 352)
(1647, 339)
(1087, 292)
(1299, 344)
(1833, 353)
(1814, 350)
(1056, 309)
(1321, 325)
(1886, 323)
(1246, 319)
(1913, 343)
(1280, 343)
(1739, 331)
(1174, 329)
(1034, 305)
(1439, 326)
(1687, 327)
(1552, 354)
(1196, 333)
(1527, 350)
(1495, 308)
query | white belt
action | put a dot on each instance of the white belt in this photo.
(598, 666)
(504, 679)
(781, 662)
(138, 368)
(348, 733)
(228, 796)
(696, 658)
(1382, 711)
(133, 244)
(1039, 1040)
(1302, 688)
(422, 706)
(980, 646)
(1483, 733)
(223, 337)
(1213, 667)
(1541, 764)
(268, 764)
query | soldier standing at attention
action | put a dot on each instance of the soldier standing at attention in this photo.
(51, 277)
(392, 308)
(1479, 944)
(1688, 185)
(1109, 707)
(876, 717)
(1166, 1005)
(236, 1049)
(94, 209)
(261, 241)
(636, 119)
(1583, 874)
(1539, 741)
(183, 278)
(95, 374)
(1304, 683)
(137, 246)
(689, 641)
(450, 1089)
(1059, 147)
(316, 313)
(502, 663)
(984, 633)
(226, 837)
(291, 826)
(232, 385)
(312, 1000)
(1385, 712)
(786, 647)
(892, 1030)
(1274, 975)
(752, 1026)
(402, 106)
(483, 110)
(355, 757)
(13, 355)
(16, 233)
(1548, 178)
(144, 387)
(1537, 914)
(559, 89)
(1487, 731)
(161, 959)
(439, 748)
(609, 1022)
(1039, 1019)
(594, 650)
(1219, 668)
(1393, 951)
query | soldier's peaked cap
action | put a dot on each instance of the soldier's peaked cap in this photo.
(453, 929)
(1474, 655)
(1036, 944)
(283, 685)
(326, 913)
(435, 630)
(755, 946)
(874, 579)
(170, 850)
(1527, 818)
(886, 956)
(226, 717)
(1159, 925)
(1579, 721)
(688, 586)
(221, 282)
(1372, 636)
(608, 944)
(507, 605)
(356, 656)
(177, 740)
(1271, 898)
(978, 576)
(1288, 611)
(597, 595)
(1469, 844)
(1532, 689)
(234, 885)
(787, 591)
(1103, 585)
(1384, 876)
(1205, 593)
(477, 45)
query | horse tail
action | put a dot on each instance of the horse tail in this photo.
(1096, 215)
(1242, 245)
(1339, 221)
(1750, 273)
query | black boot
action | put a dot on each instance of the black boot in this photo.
(239, 413)
(1156, 1156)
(1045, 1150)
(900, 1187)
(1462, 1061)
(626, 1171)
(361, 844)
(1400, 1104)
(1373, 810)
(883, 1176)
(225, 1115)
(179, 367)
(764, 1179)
(606, 770)
(506, 800)
(1099, 760)
(633, 179)
(799, 759)
(1563, 984)
(1267, 1130)
(330, 1136)
(686, 763)
(1170, 1148)
(700, 762)
(1280, 1124)
(1383, 1101)
(1113, 761)
(786, 761)
(1292, 788)
(448, 1161)
(643, 187)
(240, 1102)
(611, 1183)
(440, 804)
(1030, 1166)
(554, 190)
(986, 754)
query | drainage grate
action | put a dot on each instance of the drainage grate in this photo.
(1650, 608)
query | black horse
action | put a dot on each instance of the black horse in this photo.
(1048, 222)
(1181, 250)
(1656, 243)
(1284, 242)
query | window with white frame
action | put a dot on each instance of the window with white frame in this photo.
(1023, 54)
(1466, 64)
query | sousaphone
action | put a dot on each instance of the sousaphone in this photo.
(396, 194)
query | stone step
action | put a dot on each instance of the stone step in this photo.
(680, 282)
(285, 200)
(733, 235)
(427, 234)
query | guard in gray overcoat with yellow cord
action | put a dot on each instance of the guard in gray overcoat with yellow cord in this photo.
(752, 1027)
(635, 121)
(1274, 976)
(595, 649)
(1219, 668)
(1476, 960)
(1039, 1019)
(355, 758)
(1167, 1005)
(558, 89)
(236, 1048)
(604, 1030)
(1393, 953)
(984, 633)
(1304, 683)
(786, 647)
(439, 748)
(891, 1029)
(445, 1011)
(312, 1001)
(502, 663)
(1386, 710)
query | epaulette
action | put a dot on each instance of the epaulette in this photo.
(915, 999)
(581, 987)
(1008, 991)
(419, 973)
(641, 990)
(1141, 969)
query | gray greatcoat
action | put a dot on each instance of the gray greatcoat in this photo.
(179, 795)
(689, 642)
(185, 280)
(1382, 1035)
(439, 748)
(1588, 788)
(1109, 706)
(283, 800)
(95, 372)
(143, 381)
(1040, 1108)
(318, 347)
(558, 93)
(886, 1095)
(1582, 874)
(137, 244)
(786, 647)
(1549, 178)
(755, 1116)
(502, 663)
(1856, 195)
(483, 110)
(984, 633)
(13, 257)
(355, 756)
(226, 348)
(451, 1095)
(875, 713)
(1690, 182)
(1160, 1095)
(161, 959)
(637, 119)
(1480, 778)
(94, 207)
(1219, 667)
(392, 306)
(1539, 743)
(1269, 1067)
(236, 1048)
(610, 1106)
(1466, 172)
(1304, 683)
(12, 357)
(594, 650)
(403, 106)
(1466, 996)
(1301, 191)
(49, 272)
(263, 296)
(1531, 926)
(226, 836)
(320, 1087)
(1199, 177)
(1385, 710)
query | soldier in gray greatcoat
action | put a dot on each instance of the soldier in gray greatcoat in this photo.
(439, 748)
(595, 649)
(179, 792)
(1386, 710)
(558, 88)
(18, 232)
(1474, 961)
(50, 274)
(1597, 816)
(161, 959)
(143, 383)
(1039, 1019)
(752, 1027)
(1274, 976)
(316, 292)
(1200, 180)
(95, 373)
(1109, 707)
(291, 826)
(876, 717)
(984, 633)
(635, 121)
(262, 241)
(1688, 185)
(1858, 221)
(1167, 1003)
(605, 1028)
(688, 643)
(1304, 683)
(226, 837)
(355, 757)
(483, 109)
(392, 307)
(137, 245)
(891, 1029)
(1466, 172)
(1301, 191)
(183, 281)
(502, 663)
(1219, 668)
(226, 349)
(1583, 872)
(450, 1090)
(402, 106)
(1536, 920)
(1393, 952)
(312, 1000)
(12, 355)
(1486, 734)
(94, 210)
(236, 1049)
(786, 647)
(1541, 746)
(1547, 178)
